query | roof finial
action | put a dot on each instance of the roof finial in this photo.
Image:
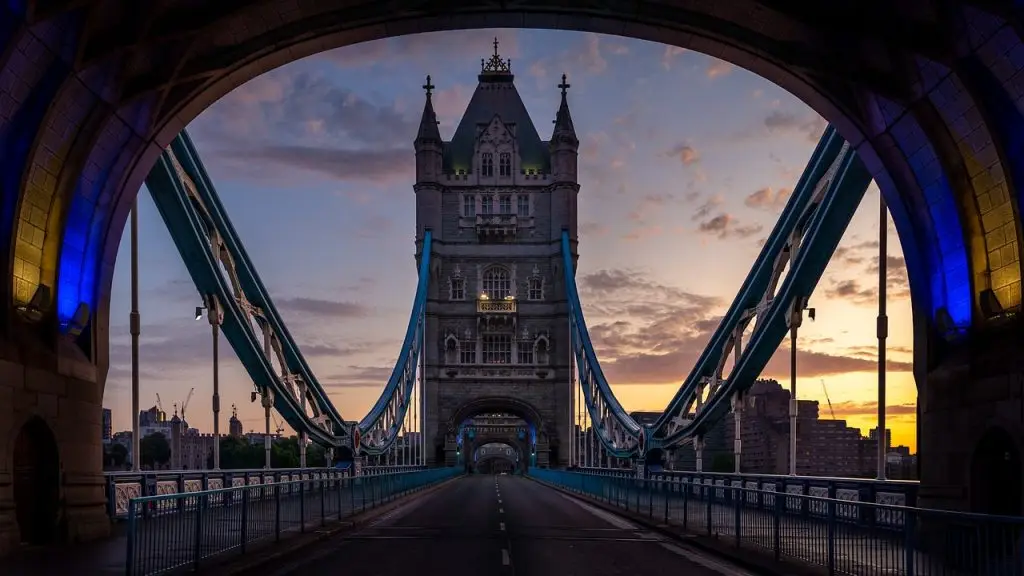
(564, 85)
(495, 45)
(428, 86)
(495, 65)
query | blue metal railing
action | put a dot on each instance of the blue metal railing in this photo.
(178, 532)
(843, 536)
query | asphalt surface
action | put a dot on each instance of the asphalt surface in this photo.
(501, 526)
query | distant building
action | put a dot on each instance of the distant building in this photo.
(107, 425)
(235, 426)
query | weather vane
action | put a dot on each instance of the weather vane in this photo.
(428, 86)
(564, 85)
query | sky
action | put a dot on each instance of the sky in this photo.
(685, 164)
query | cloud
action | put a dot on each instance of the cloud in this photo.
(724, 226)
(322, 308)
(586, 56)
(686, 154)
(809, 125)
(592, 229)
(645, 332)
(669, 56)
(387, 165)
(717, 68)
(359, 377)
(863, 255)
(426, 48)
(767, 198)
(850, 409)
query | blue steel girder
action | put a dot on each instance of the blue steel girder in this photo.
(758, 290)
(819, 228)
(382, 425)
(253, 296)
(621, 436)
(198, 239)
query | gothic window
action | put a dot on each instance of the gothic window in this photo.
(524, 348)
(487, 164)
(486, 205)
(523, 208)
(451, 349)
(496, 283)
(505, 204)
(467, 354)
(469, 205)
(536, 288)
(541, 349)
(497, 349)
(505, 164)
(458, 289)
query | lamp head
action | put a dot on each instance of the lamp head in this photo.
(199, 312)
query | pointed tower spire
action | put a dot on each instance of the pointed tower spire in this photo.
(428, 122)
(565, 132)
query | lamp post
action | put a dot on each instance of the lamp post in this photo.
(882, 328)
(796, 318)
(216, 316)
(135, 327)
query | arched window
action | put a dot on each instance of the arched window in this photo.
(505, 164)
(497, 285)
(451, 349)
(487, 164)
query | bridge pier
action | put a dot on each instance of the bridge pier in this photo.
(971, 418)
(51, 476)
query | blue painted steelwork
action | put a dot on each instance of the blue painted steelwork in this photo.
(619, 433)
(189, 217)
(393, 403)
(824, 230)
(825, 198)
(189, 205)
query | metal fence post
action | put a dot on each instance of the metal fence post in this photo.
(244, 532)
(831, 539)
(277, 511)
(130, 548)
(323, 503)
(780, 502)
(909, 521)
(200, 507)
(686, 505)
(302, 507)
(737, 496)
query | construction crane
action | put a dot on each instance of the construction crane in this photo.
(184, 404)
(280, 425)
(159, 408)
(823, 387)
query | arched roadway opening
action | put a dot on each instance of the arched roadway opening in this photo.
(936, 123)
(536, 440)
(495, 456)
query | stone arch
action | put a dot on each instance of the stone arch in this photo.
(519, 461)
(996, 474)
(35, 462)
(493, 404)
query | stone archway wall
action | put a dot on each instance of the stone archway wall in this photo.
(937, 123)
(547, 433)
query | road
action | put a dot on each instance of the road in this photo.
(502, 525)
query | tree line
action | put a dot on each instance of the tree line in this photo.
(236, 453)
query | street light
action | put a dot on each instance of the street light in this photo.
(796, 318)
(215, 316)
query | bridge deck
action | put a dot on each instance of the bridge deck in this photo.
(502, 525)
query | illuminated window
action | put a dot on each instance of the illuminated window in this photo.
(486, 204)
(469, 205)
(523, 207)
(497, 284)
(505, 204)
(487, 164)
(497, 349)
(505, 164)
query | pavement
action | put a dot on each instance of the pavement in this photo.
(500, 525)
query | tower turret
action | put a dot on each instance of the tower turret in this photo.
(564, 144)
(564, 148)
(429, 148)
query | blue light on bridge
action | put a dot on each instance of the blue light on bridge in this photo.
(952, 288)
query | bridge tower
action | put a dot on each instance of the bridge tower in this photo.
(497, 197)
